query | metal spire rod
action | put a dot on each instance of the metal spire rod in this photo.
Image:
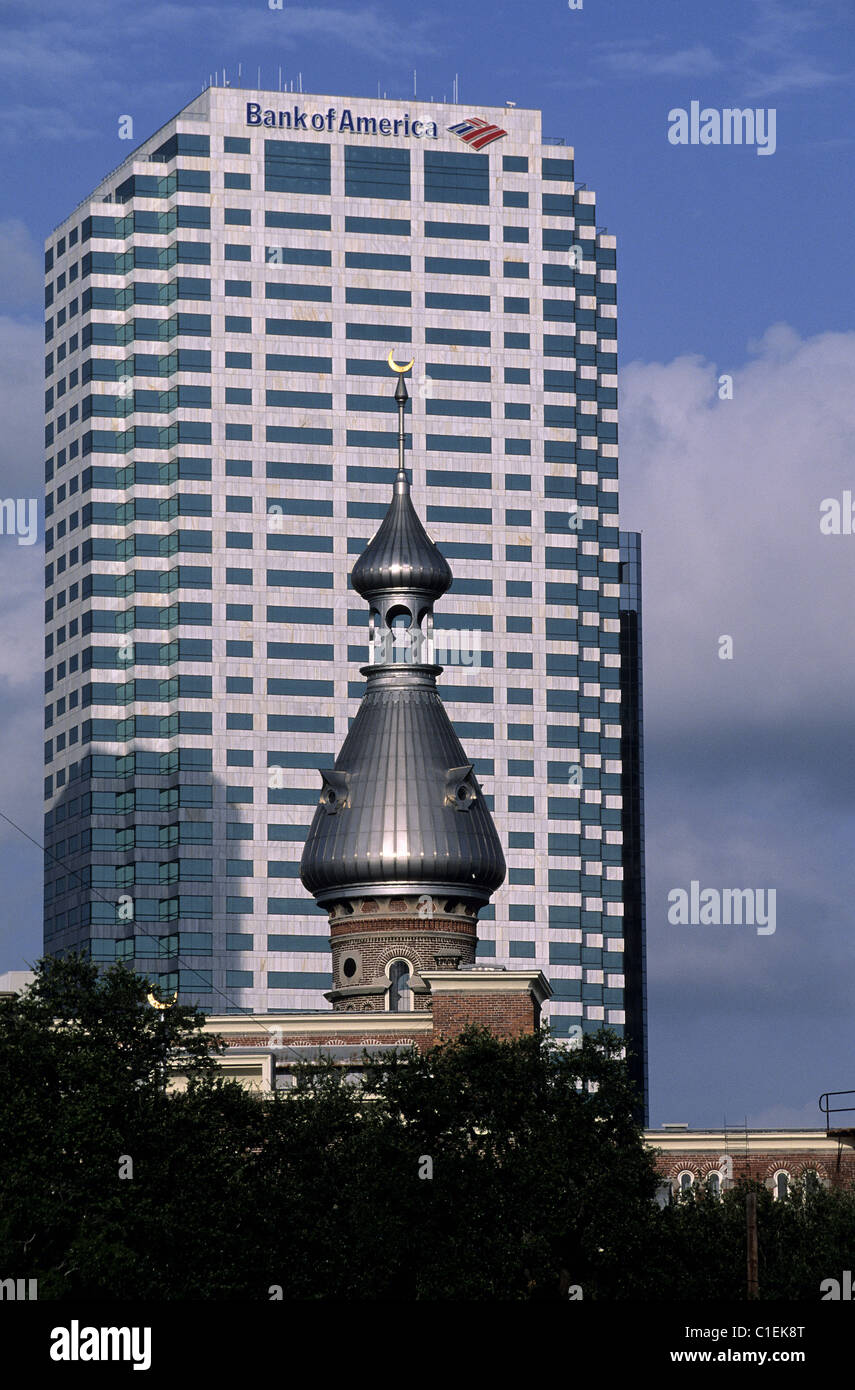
(401, 397)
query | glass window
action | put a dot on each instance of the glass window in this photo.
(461, 231)
(375, 172)
(296, 166)
(399, 991)
(456, 178)
(455, 265)
(373, 226)
(373, 260)
(304, 221)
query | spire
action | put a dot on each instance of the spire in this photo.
(402, 850)
(401, 563)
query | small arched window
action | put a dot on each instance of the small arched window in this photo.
(399, 986)
(782, 1185)
(714, 1184)
(686, 1180)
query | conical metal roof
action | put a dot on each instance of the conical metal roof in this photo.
(402, 810)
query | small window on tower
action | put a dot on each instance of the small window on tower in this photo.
(399, 991)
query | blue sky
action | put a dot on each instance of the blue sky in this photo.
(728, 262)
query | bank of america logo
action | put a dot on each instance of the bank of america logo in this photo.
(477, 132)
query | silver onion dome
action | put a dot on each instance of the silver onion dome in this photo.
(401, 556)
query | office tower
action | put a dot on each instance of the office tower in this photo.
(632, 760)
(220, 448)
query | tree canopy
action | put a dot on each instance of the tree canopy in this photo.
(483, 1169)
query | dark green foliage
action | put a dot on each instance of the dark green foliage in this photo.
(540, 1178)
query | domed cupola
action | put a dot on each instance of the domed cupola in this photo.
(402, 850)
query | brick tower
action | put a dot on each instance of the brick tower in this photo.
(402, 851)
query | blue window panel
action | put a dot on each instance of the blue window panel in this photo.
(456, 178)
(299, 221)
(467, 516)
(395, 298)
(467, 550)
(455, 265)
(521, 950)
(283, 868)
(468, 694)
(291, 579)
(292, 907)
(559, 310)
(370, 171)
(239, 979)
(378, 332)
(294, 166)
(280, 434)
(470, 303)
(281, 686)
(559, 239)
(306, 328)
(446, 478)
(441, 371)
(470, 409)
(284, 979)
(469, 730)
(462, 231)
(295, 400)
(458, 443)
(516, 270)
(292, 362)
(323, 544)
(375, 260)
(557, 169)
(457, 337)
(322, 294)
(378, 226)
(299, 651)
(513, 199)
(282, 941)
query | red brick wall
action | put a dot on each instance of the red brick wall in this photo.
(507, 1015)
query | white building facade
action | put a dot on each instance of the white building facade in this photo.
(220, 447)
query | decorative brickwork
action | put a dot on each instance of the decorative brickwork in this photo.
(793, 1155)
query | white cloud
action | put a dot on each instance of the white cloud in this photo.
(728, 495)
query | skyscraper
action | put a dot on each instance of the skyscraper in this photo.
(218, 453)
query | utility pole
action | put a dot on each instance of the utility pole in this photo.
(751, 1233)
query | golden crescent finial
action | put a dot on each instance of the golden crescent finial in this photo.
(156, 1004)
(396, 367)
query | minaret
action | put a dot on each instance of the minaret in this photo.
(402, 851)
